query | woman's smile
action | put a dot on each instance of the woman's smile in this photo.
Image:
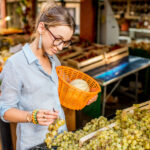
(54, 50)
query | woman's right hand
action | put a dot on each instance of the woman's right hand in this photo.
(46, 117)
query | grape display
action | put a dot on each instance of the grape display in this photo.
(53, 131)
(132, 132)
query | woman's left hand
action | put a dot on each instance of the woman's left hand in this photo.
(92, 100)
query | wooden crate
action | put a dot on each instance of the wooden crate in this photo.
(87, 64)
(84, 50)
(64, 62)
(81, 45)
(68, 53)
(103, 57)
(116, 55)
(75, 39)
(87, 48)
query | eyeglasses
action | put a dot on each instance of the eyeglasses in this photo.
(59, 41)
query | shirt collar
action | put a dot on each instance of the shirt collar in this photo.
(29, 54)
(51, 58)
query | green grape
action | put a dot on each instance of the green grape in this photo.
(132, 132)
(53, 131)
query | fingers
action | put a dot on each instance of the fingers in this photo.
(48, 112)
(92, 100)
(52, 113)
(89, 102)
(45, 120)
(46, 117)
(46, 123)
(95, 97)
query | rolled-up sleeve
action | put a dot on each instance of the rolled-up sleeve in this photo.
(10, 88)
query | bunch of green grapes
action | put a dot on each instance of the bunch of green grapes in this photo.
(95, 124)
(69, 140)
(132, 132)
(53, 131)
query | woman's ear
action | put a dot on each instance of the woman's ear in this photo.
(41, 28)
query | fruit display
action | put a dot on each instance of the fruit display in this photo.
(53, 131)
(66, 52)
(83, 44)
(92, 55)
(114, 47)
(71, 139)
(141, 45)
(4, 55)
(11, 44)
(89, 49)
(86, 56)
(87, 61)
(131, 132)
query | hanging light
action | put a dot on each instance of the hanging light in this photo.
(7, 18)
(2, 20)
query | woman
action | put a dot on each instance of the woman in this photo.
(30, 82)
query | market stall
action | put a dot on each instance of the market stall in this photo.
(109, 56)
(128, 128)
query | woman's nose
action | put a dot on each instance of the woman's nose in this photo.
(60, 47)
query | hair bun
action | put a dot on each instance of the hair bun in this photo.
(47, 5)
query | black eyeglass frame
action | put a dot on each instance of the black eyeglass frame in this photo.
(61, 41)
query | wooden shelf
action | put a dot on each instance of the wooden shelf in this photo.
(139, 30)
(127, 9)
(117, 16)
(132, 17)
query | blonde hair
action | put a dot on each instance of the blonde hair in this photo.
(53, 15)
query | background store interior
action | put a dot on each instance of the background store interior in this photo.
(102, 25)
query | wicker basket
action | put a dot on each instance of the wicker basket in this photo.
(70, 96)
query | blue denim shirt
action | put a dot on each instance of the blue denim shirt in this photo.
(26, 86)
